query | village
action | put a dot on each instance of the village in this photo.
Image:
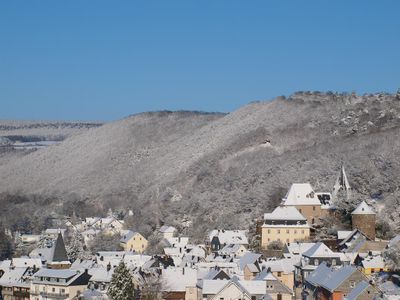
(290, 256)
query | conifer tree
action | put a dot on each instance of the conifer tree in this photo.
(121, 285)
(76, 248)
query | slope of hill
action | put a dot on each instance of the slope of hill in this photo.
(205, 170)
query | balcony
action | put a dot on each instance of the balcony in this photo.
(54, 295)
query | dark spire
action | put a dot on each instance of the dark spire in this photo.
(59, 251)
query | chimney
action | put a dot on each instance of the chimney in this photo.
(108, 267)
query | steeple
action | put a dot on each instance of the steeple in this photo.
(59, 251)
(342, 184)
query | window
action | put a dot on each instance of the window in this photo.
(287, 230)
(269, 240)
(313, 208)
(333, 262)
(279, 231)
(269, 231)
(279, 274)
(312, 221)
(302, 232)
(316, 262)
(352, 284)
(62, 291)
(53, 290)
(295, 232)
(279, 297)
(300, 210)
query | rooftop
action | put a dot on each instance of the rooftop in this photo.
(363, 209)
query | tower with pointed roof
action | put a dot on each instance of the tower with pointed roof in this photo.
(364, 219)
(342, 184)
(59, 257)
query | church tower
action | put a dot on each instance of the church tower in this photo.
(342, 185)
(364, 219)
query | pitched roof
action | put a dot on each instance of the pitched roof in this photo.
(247, 259)
(229, 236)
(167, 229)
(363, 209)
(127, 236)
(357, 291)
(283, 213)
(317, 276)
(338, 276)
(320, 250)
(342, 234)
(301, 194)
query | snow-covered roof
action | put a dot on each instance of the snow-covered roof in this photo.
(342, 234)
(22, 262)
(301, 194)
(283, 213)
(265, 275)
(54, 273)
(247, 259)
(252, 287)
(285, 265)
(101, 274)
(320, 250)
(167, 229)
(178, 241)
(229, 236)
(177, 279)
(375, 262)
(12, 277)
(298, 248)
(232, 249)
(363, 209)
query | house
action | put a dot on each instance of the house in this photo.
(358, 242)
(179, 283)
(100, 279)
(328, 283)
(364, 219)
(284, 224)
(133, 241)
(275, 288)
(167, 231)
(296, 250)
(371, 262)
(58, 284)
(233, 289)
(217, 239)
(234, 250)
(310, 204)
(312, 258)
(282, 269)
(249, 265)
(15, 282)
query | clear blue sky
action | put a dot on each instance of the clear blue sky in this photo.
(103, 60)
